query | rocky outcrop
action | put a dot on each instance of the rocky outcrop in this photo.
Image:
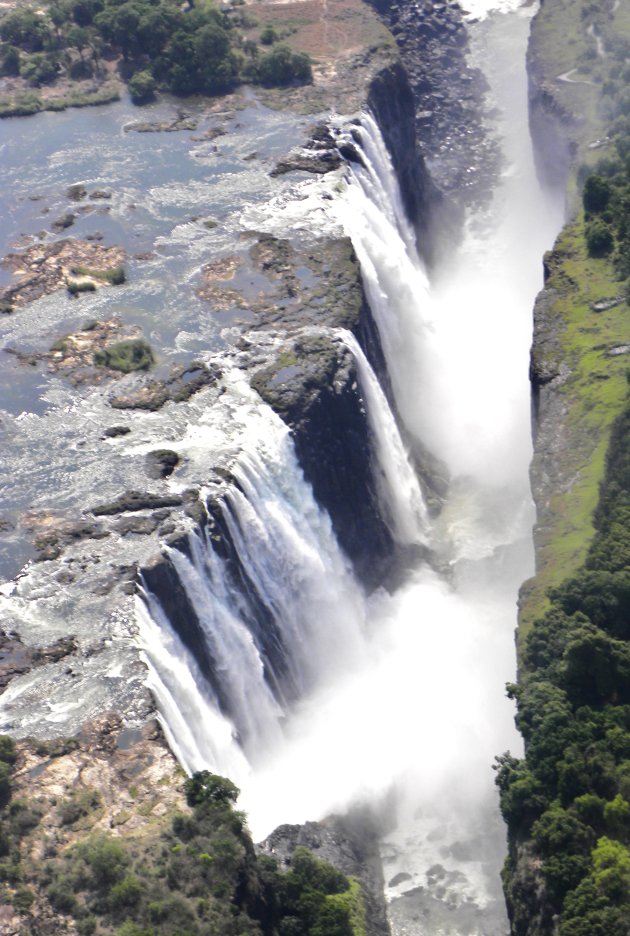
(448, 106)
(350, 843)
(391, 100)
(319, 398)
(41, 269)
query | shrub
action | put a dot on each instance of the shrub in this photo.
(142, 87)
(11, 62)
(5, 783)
(38, 69)
(126, 356)
(206, 787)
(125, 893)
(23, 899)
(79, 286)
(23, 817)
(61, 897)
(8, 753)
(596, 194)
(599, 238)
(281, 66)
(268, 36)
(79, 804)
(115, 276)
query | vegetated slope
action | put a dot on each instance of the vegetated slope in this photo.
(73, 861)
(577, 365)
(567, 802)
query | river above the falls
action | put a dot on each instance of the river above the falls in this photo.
(174, 201)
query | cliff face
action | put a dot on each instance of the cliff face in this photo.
(579, 388)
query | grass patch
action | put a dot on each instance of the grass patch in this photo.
(75, 287)
(114, 276)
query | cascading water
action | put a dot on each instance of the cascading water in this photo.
(279, 616)
(400, 693)
(400, 488)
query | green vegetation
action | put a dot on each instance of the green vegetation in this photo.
(186, 50)
(17, 819)
(126, 356)
(79, 805)
(142, 87)
(75, 287)
(191, 873)
(114, 276)
(570, 795)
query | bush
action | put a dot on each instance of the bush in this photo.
(23, 899)
(38, 69)
(115, 276)
(8, 753)
(78, 805)
(5, 783)
(596, 194)
(126, 356)
(75, 287)
(125, 893)
(268, 36)
(142, 87)
(599, 238)
(61, 897)
(281, 66)
(11, 62)
(206, 787)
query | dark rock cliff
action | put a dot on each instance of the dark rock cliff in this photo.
(391, 100)
(323, 406)
(449, 106)
(550, 123)
(348, 842)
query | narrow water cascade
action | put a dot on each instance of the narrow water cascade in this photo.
(400, 488)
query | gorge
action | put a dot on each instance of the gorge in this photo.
(299, 540)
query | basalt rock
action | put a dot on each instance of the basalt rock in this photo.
(448, 98)
(350, 843)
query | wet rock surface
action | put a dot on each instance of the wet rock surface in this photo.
(43, 268)
(318, 156)
(181, 384)
(16, 658)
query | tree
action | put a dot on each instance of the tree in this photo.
(11, 62)
(142, 87)
(281, 66)
(596, 194)
(206, 787)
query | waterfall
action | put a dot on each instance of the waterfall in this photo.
(372, 213)
(400, 488)
(333, 697)
(276, 617)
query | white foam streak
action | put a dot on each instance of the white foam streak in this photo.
(196, 731)
(401, 491)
